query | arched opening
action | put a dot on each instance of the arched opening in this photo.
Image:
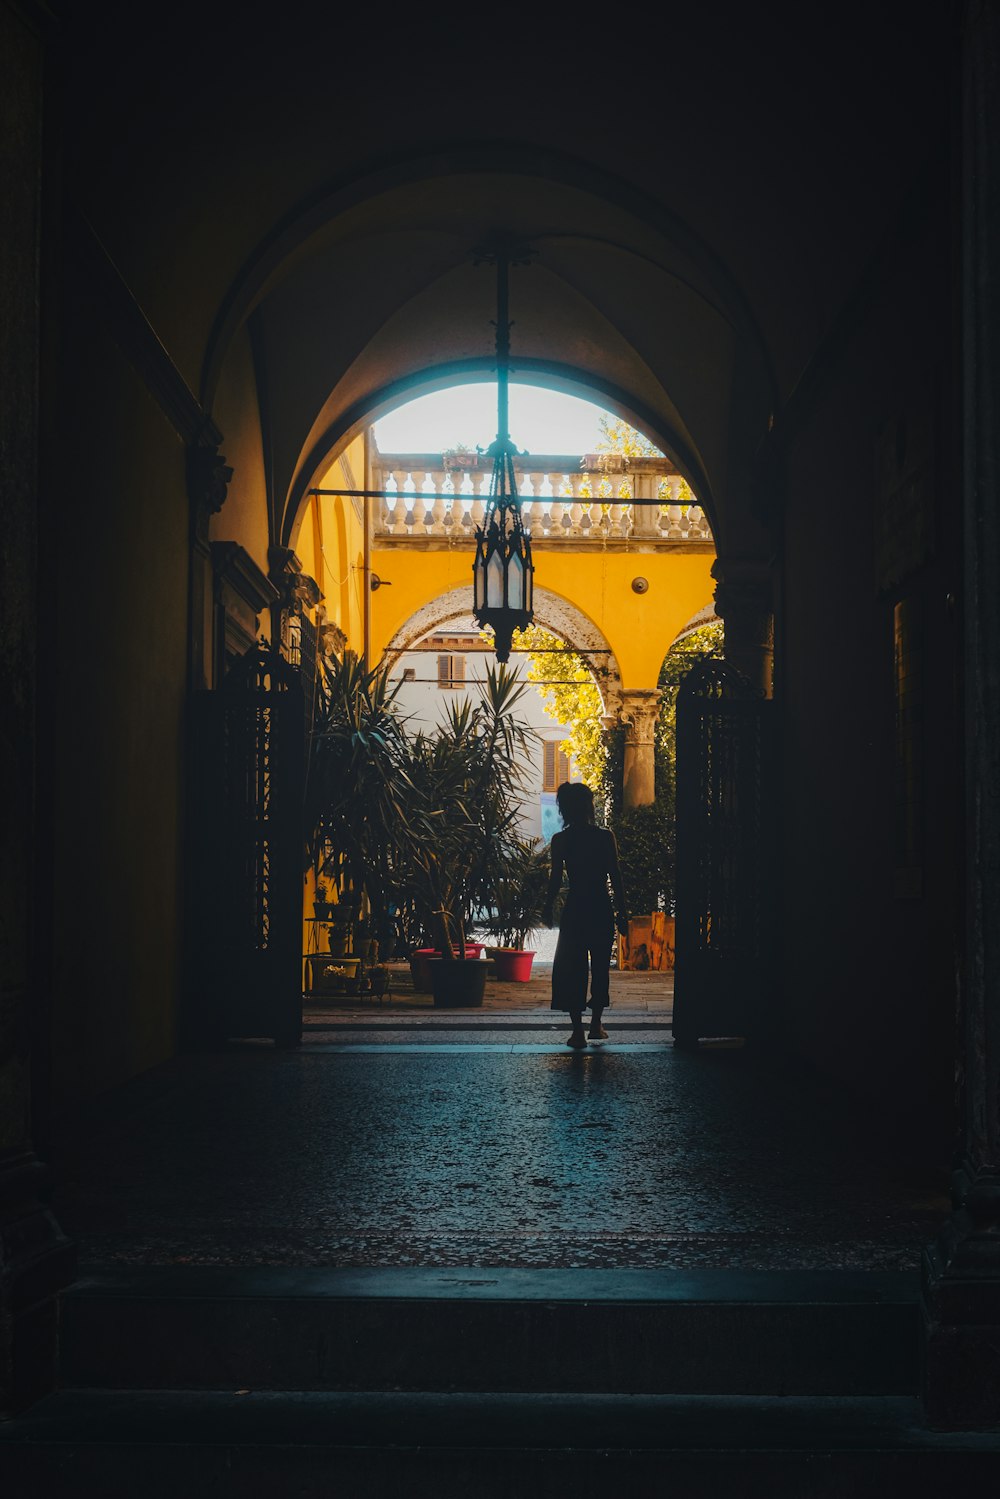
(765, 302)
(589, 531)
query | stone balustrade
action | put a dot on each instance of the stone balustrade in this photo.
(564, 499)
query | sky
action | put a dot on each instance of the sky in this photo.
(541, 421)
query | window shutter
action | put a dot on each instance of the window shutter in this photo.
(556, 766)
(550, 767)
(451, 671)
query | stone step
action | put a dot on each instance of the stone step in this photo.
(630, 1331)
(119, 1444)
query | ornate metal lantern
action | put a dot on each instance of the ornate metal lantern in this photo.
(502, 569)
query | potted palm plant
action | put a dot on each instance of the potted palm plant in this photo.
(439, 839)
(517, 897)
(462, 783)
(354, 796)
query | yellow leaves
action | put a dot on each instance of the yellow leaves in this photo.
(570, 697)
(618, 437)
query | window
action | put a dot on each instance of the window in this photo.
(409, 674)
(451, 671)
(555, 765)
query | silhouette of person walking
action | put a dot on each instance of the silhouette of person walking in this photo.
(589, 856)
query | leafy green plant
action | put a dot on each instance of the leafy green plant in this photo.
(647, 835)
(462, 794)
(355, 786)
(570, 696)
(517, 892)
(646, 849)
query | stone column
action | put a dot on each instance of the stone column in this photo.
(638, 713)
(961, 1294)
(744, 600)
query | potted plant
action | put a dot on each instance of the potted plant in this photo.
(462, 781)
(518, 895)
(322, 900)
(353, 796)
(439, 838)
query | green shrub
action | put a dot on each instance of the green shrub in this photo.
(646, 851)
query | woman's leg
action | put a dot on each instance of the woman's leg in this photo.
(600, 982)
(577, 1037)
(569, 976)
(597, 1031)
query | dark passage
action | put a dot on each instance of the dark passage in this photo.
(502, 1150)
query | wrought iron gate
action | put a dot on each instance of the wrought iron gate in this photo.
(724, 866)
(245, 914)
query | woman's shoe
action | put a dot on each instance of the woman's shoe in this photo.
(597, 1033)
(577, 1039)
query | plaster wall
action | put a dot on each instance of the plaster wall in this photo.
(639, 627)
(243, 518)
(869, 961)
(116, 561)
(329, 543)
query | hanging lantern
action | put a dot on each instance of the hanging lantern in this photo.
(502, 569)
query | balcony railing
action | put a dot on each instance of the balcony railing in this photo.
(565, 499)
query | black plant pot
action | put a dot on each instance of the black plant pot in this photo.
(457, 983)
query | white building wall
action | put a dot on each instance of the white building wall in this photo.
(424, 703)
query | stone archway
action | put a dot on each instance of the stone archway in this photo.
(552, 612)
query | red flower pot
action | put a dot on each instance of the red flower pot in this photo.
(420, 968)
(512, 964)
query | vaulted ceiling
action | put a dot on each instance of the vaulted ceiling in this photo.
(703, 195)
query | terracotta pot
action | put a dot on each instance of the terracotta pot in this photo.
(512, 964)
(457, 983)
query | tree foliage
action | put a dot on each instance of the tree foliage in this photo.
(618, 437)
(569, 696)
(706, 640)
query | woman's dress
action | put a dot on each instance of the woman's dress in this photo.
(587, 924)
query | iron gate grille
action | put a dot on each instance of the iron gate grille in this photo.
(249, 748)
(723, 854)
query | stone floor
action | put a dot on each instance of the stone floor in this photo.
(400, 1135)
(636, 998)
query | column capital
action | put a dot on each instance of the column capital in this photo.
(208, 478)
(743, 583)
(744, 601)
(638, 711)
(297, 589)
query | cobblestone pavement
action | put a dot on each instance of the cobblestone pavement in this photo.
(486, 1145)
